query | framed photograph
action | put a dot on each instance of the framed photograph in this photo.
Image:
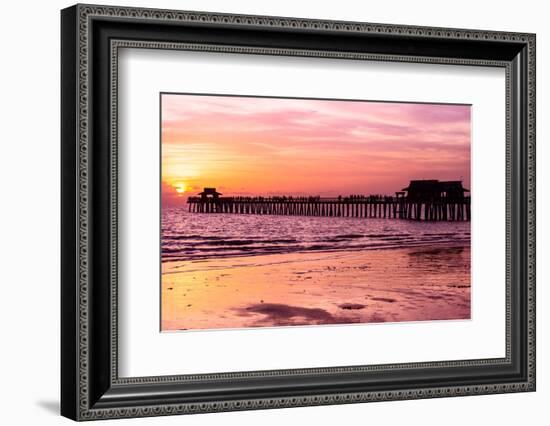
(263, 212)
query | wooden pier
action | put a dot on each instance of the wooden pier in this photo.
(384, 207)
(429, 200)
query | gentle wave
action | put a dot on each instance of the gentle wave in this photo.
(187, 236)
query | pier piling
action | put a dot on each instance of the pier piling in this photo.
(355, 206)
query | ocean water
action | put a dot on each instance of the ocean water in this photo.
(194, 236)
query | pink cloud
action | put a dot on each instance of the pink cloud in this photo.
(324, 147)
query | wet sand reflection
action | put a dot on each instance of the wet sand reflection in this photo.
(392, 285)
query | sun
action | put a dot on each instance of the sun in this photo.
(180, 187)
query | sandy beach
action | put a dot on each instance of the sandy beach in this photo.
(372, 286)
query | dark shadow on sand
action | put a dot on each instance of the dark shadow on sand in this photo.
(281, 314)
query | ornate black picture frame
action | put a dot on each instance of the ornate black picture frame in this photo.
(91, 387)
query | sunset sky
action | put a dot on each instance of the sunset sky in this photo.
(273, 146)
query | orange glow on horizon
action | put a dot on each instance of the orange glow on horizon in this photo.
(179, 187)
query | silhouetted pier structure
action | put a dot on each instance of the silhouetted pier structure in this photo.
(421, 200)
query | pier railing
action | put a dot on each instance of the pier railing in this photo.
(387, 207)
